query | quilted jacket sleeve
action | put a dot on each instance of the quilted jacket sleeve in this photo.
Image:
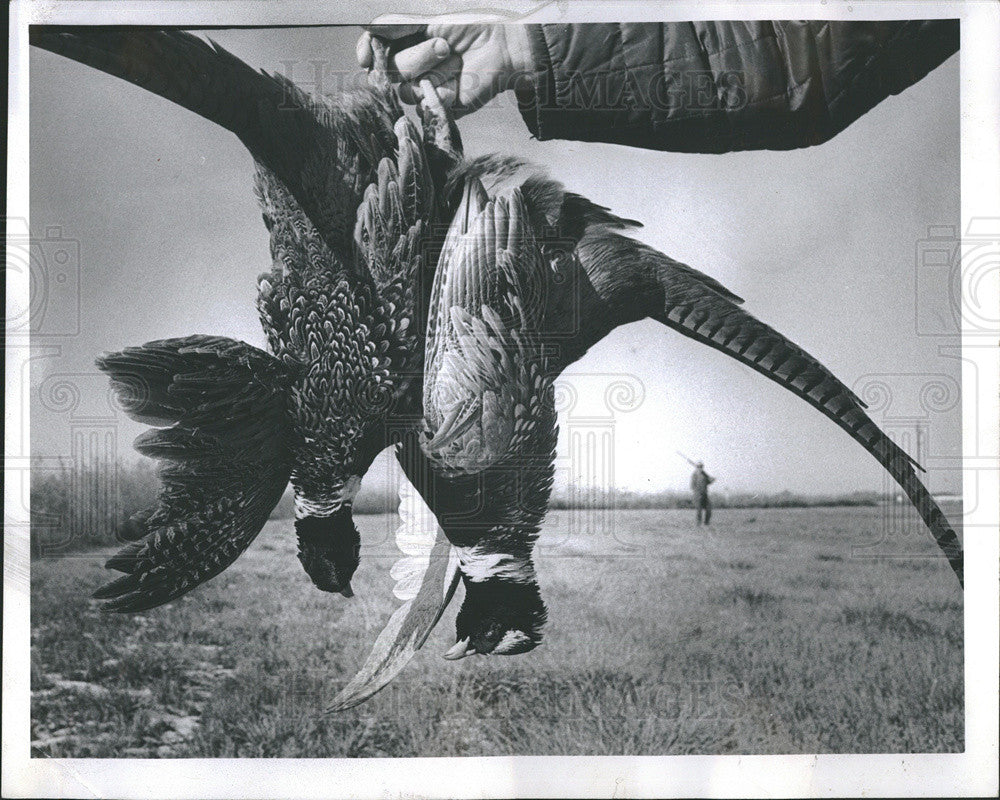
(713, 87)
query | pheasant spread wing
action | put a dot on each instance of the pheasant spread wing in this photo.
(224, 461)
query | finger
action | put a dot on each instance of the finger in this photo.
(448, 70)
(412, 62)
(447, 93)
(431, 96)
(413, 93)
(363, 50)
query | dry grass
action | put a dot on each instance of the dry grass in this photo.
(764, 634)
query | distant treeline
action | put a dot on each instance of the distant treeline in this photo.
(374, 502)
(77, 507)
(674, 499)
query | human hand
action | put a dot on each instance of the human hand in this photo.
(467, 64)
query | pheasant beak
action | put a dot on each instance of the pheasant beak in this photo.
(347, 591)
(459, 650)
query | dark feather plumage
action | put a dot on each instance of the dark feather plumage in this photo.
(225, 460)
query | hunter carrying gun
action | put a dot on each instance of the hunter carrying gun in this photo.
(699, 485)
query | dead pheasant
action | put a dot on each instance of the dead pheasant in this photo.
(487, 388)
(490, 413)
(347, 193)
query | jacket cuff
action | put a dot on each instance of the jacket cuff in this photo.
(532, 87)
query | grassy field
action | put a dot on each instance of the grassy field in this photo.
(763, 634)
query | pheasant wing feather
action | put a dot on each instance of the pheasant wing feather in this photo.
(224, 461)
(389, 240)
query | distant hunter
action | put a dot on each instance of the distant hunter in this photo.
(699, 485)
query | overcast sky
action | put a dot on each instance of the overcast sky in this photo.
(821, 243)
